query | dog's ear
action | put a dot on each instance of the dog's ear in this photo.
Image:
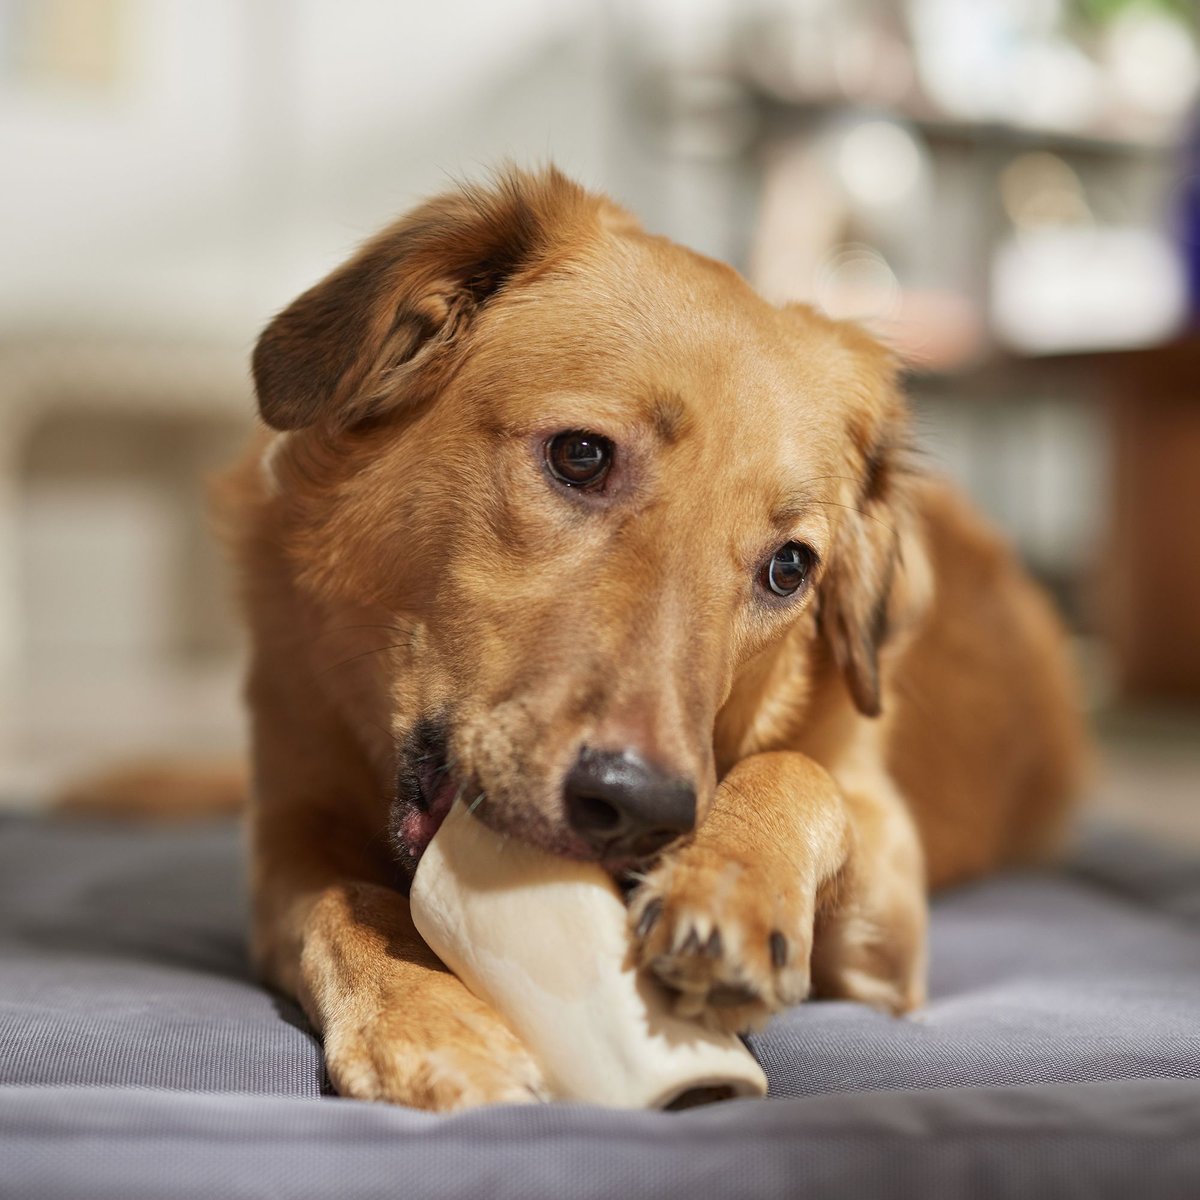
(385, 325)
(878, 579)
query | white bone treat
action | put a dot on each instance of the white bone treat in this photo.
(543, 940)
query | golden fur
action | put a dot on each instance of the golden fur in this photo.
(908, 720)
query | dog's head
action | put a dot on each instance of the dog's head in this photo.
(592, 478)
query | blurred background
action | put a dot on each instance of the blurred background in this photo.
(1007, 190)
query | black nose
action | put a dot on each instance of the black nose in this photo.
(623, 807)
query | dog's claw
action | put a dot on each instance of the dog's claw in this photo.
(779, 949)
(649, 918)
(718, 944)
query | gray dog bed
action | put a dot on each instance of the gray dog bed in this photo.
(1059, 1055)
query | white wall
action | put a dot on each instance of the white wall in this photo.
(246, 144)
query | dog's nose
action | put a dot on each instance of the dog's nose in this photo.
(623, 807)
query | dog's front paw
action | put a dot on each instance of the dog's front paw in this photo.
(731, 942)
(472, 1061)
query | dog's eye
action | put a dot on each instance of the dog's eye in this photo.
(579, 459)
(788, 569)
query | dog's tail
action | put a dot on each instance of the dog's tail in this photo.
(154, 789)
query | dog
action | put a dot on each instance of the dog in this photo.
(559, 517)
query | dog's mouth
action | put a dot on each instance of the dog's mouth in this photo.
(426, 788)
(429, 781)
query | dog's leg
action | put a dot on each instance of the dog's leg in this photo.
(784, 857)
(331, 932)
(871, 944)
(397, 1025)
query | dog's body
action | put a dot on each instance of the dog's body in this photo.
(566, 520)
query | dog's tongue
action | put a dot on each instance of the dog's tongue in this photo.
(418, 825)
(416, 831)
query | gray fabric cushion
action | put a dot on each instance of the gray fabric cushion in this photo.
(1136, 1139)
(138, 1058)
(123, 962)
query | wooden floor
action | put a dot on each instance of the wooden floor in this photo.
(1148, 772)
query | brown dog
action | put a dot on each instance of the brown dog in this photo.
(565, 519)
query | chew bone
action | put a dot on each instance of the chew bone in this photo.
(544, 941)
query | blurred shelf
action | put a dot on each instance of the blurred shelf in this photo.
(121, 373)
(782, 116)
(999, 369)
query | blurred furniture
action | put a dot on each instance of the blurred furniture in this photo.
(1145, 569)
(1151, 567)
(104, 440)
(1139, 551)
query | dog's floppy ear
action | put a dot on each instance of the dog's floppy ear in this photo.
(878, 579)
(384, 325)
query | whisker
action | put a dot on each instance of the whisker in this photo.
(862, 513)
(366, 654)
(821, 478)
(400, 630)
(476, 802)
(354, 628)
(396, 741)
